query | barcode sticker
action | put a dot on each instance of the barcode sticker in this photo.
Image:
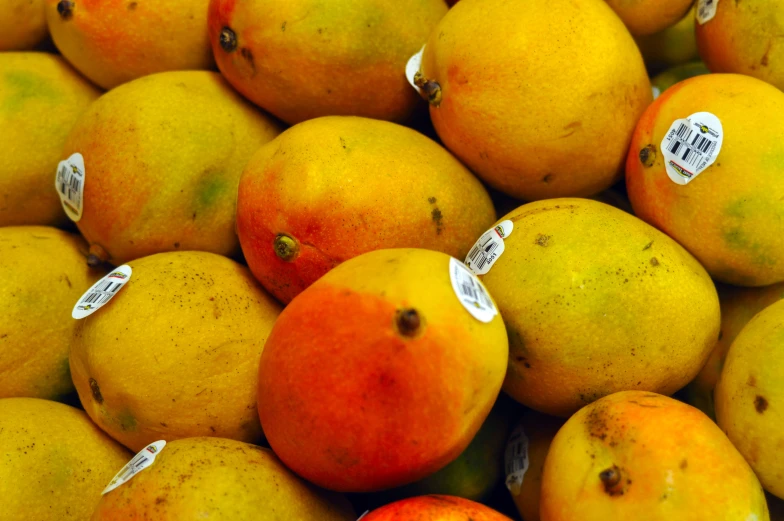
(471, 292)
(101, 292)
(691, 145)
(706, 10)
(488, 248)
(138, 463)
(412, 67)
(69, 183)
(516, 460)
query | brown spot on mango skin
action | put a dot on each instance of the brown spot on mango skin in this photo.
(613, 481)
(542, 240)
(437, 218)
(761, 404)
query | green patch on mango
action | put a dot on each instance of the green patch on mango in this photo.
(20, 86)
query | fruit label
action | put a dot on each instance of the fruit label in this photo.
(366, 512)
(706, 10)
(691, 145)
(412, 67)
(488, 248)
(516, 460)
(138, 463)
(471, 292)
(69, 182)
(102, 292)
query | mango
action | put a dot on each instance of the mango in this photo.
(539, 430)
(332, 188)
(505, 101)
(41, 98)
(672, 46)
(666, 79)
(731, 215)
(221, 480)
(302, 59)
(55, 460)
(645, 17)
(22, 25)
(44, 275)
(435, 508)
(745, 38)
(382, 371)
(593, 300)
(163, 157)
(115, 41)
(738, 306)
(750, 394)
(175, 353)
(641, 455)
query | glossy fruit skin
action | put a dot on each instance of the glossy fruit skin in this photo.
(730, 216)
(435, 508)
(352, 397)
(340, 186)
(510, 110)
(645, 17)
(303, 59)
(640, 455)
(750, 393)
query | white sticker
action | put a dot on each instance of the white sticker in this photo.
(102, 292)
(139, 462)
(656, 91)
(366, 512)
(471, 292)
(412, 67)
(706, 10)
(69, 183)
(488, 248)
(691, 145)
(516, 460)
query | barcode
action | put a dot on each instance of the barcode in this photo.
(482, 252)
(102, 293)
(132, 467)
(70, 184)
(692, 151)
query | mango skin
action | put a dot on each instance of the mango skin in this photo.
(593, 300)
(525, 126)
(674, 463)
(308, 58)
(22, 25)
(219, 479)
(738, 306)
(175, 353)
(745, 38)
(644, 17)
(56, 461)
(675, 75)
(44, 274)
(750, 394)
(731, 216)
(672, 46)
(163, 157)
(349, 402)
(435, 508)
(341, 186)
(41, 99)
(115, 41)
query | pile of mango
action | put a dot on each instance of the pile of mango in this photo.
(411, 260)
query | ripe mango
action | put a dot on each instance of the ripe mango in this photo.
(730, 216)
(435, 508)
(593, 300)
(672, 46)
(745, 38)
(41, 98)
(116, 41)
(302, 59)
(379, 373)
(55, 460)
(221, 480)
(331, 188)
(22, 25)
(163, 157)
(503, 96)
(44, 274)
(175, 353)
(750, 396)
(640, 455)
(644, 17)
(738, 306)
